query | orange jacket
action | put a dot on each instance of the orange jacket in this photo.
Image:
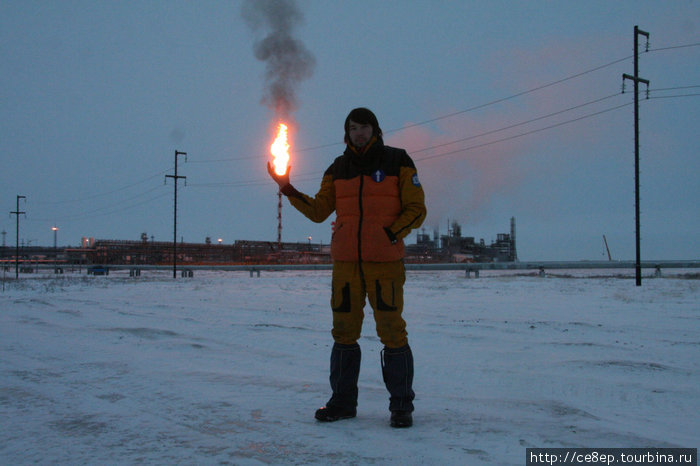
(377, 198)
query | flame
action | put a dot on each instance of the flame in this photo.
(280, 150)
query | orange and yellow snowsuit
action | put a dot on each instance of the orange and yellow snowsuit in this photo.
(378, 200)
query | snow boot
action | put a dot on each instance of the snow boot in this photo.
(345, 371)
(397, 369)
(334, 413)
(401, 419)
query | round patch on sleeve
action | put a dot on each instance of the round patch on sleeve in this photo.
(415, 180)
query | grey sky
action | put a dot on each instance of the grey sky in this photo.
(97, 96)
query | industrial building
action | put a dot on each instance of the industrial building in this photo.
(451, 247)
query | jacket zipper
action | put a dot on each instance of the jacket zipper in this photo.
(359, 229)
(359, 225)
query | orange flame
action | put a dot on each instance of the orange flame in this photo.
(280, 150)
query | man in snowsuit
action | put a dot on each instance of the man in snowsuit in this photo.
(378, 199)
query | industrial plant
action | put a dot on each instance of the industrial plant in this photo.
(435, 248)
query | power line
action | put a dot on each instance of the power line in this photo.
(99, 209)
(240, 184)
(310, 176)
(414, 151)
(230, 159)
(522, 123)
(487, 104)
(535, 89)
(445, 154)
(110, 208)
(674, 88)
(527, 133)
(673, 96)
(673, 47)
(497, 101)
(307, 176)
(106, 193)
(98, 212)
(470, 109)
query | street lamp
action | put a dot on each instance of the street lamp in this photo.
(55, 248)
(55, 231)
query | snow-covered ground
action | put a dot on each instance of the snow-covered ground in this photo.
(224, 368)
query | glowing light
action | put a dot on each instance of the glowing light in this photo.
(280, 150)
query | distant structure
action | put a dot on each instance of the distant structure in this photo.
(512, 239)
(453, 247)
(108, 251)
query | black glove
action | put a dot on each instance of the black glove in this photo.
(392, 237)
(281, 180)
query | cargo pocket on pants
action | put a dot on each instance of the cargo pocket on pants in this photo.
(386, 295)
(340, 299)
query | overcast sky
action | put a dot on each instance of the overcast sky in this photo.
(508, 108)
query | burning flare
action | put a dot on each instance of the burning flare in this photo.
(280, 150)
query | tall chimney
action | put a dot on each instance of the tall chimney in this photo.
(514, 251)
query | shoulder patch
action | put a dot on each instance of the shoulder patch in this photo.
(415, 180)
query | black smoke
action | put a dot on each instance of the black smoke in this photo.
(287, 60)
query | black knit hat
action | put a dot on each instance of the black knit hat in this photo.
(364, 116)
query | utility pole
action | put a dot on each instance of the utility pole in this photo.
(175, 177)
(636, 79)
(17, 213)
(279, 221)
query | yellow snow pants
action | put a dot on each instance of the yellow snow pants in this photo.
(382, 283)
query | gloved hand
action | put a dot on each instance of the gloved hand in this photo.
(281, 180)
(392, 237)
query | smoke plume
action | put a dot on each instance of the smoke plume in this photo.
(466, 186)
(287, 60)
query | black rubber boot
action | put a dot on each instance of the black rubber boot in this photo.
(401, 419)
(333, 413)
(397, 369)
(345, 371)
